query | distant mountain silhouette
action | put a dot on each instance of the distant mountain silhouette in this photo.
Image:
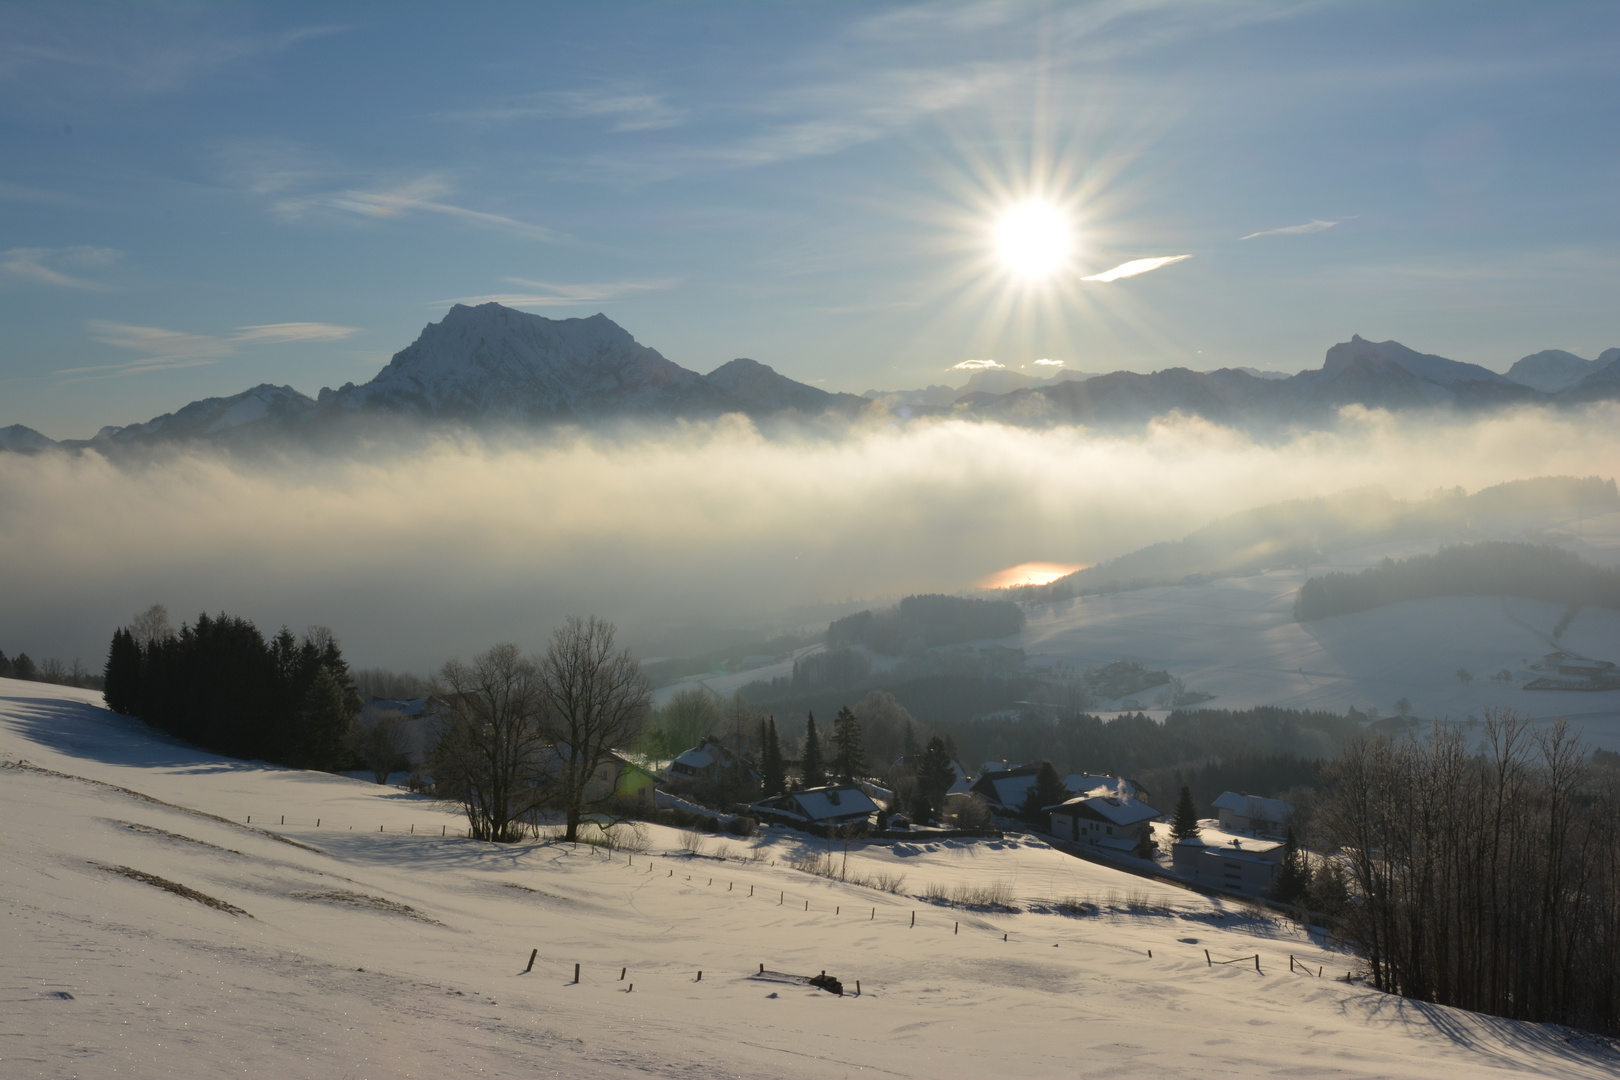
(491, 366)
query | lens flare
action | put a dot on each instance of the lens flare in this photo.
(1033, 239)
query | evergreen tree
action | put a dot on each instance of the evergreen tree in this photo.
(813, 772)
(121, 679)
(849, 760)
(774, 775)
(1047, 790)
(911, 748)
(323, 724)
(1186, 820)
(1293, 882)
(22, 667)
(5, 667)
(935, 773)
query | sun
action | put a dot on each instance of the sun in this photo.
(1033, 239)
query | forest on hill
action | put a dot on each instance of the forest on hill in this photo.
(1497, 568)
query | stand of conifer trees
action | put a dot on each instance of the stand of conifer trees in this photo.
(221, 685)
(1486, 880)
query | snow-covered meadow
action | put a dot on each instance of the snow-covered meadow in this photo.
(381, 944)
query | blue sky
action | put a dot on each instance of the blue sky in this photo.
(198, 198)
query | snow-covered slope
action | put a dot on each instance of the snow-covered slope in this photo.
(152, 932)
(1552, 370)
(1236, 637)
(261, 410)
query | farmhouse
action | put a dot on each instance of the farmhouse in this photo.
(1105, 821)
(1248, 867)
(1252, 814)
(820, 808)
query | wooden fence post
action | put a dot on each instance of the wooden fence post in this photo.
(532, 954)
(1257, 963)
(576, 973)
(1207, 960)
(958, 929)
(621, 973)
(913, 918)
(857, 988)
(700, 976)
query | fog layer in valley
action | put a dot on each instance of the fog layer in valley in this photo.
(419, 555)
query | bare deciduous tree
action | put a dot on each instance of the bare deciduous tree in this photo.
(490, 755)
(595, 699)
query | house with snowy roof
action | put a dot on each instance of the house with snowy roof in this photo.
(1247, 867)
(703, 764)
(1106, 821)
(820, 808)
(1004, 789)
(1088, 783)
(1252, 814)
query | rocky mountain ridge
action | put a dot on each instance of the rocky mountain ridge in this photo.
(490, 365)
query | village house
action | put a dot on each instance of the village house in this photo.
(1105, 821)
(1088, 783)
(1248, 867)
(1252, 814)
(821, 809)
(1004, 789)
(704, 764)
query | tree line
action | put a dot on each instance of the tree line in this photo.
(1496, 568)
(926, 621)
(1485, 879)
(220, 684)
(50, 670)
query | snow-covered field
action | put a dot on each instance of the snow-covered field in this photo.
(345, 951)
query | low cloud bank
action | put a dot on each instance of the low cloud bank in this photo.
(442, 550)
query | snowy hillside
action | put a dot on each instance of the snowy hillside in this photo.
(152, 932)
(1236, 638)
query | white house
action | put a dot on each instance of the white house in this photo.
(1252, 814)
(1106, 821)
(1248, 867)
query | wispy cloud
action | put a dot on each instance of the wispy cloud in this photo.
(1049, 363)
(624, 109)
(976, 365)
(300, 185)
(557, 294)
(1135, 267)
(1295, 230)
(45, 266)
(125, 50)
(166, 349)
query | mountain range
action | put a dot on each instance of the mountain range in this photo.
(490, 365)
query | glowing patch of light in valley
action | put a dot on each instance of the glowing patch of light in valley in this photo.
(1029, 573)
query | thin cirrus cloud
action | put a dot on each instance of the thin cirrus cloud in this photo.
(425, 195)
(168, 349)
(625, 110)
(1135, 267)
(555, 294)
(977, 365)
(51, 266)
(1313, 226)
